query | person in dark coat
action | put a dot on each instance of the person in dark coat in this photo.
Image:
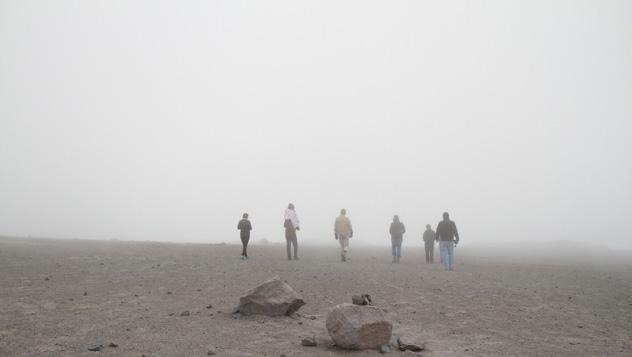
(397, 231)
(429, 242)
(244, 227)
(448, 237)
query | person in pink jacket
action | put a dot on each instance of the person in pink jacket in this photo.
(291, 225)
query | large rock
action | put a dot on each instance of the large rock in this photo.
(358, 327)
(272, 298)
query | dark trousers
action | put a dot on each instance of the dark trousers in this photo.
(429, 252)
(290, 238)
(244, 241)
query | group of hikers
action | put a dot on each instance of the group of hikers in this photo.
(446, 234)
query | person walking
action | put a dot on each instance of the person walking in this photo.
(397, 231)
(291, 225)
(343, 231)
(448, 237)
(244, 228)
(429, 242)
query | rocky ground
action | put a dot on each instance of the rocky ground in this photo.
(60, 298)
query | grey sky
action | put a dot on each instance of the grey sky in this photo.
(167, 120)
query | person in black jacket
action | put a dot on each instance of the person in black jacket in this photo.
(448, 237)
(244, 227)
(397, 231)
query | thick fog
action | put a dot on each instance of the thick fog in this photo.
(152, 120)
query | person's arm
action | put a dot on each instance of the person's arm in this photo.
(437, 232)
(350, 229)
(249, 227)
(403, 228)
(239, 225)
(456, 234)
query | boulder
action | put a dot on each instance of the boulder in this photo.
(272, 298)
(358, 327)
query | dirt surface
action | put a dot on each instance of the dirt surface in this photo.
(59, 298)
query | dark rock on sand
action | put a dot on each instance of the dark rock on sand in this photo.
(272, 298)
(95, 348)
(364, 299)
(309, 341)
(410, 343)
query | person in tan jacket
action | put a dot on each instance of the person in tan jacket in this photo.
(343, 231)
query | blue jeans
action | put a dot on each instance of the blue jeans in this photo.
(396, 244)
(447, 254)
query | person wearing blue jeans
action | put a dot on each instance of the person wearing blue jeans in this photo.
(397, 231)
(448, 237)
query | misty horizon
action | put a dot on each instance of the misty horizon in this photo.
(167, 122)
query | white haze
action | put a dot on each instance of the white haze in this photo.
(157, 120)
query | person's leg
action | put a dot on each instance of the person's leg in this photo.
(427, 248)
(341, 241)
(243, 246)
(247, 239)
(295, 242)
(432, 253)
(394, 249)
(450, 256)
(443, 250)
(399, 249)
(288, 246)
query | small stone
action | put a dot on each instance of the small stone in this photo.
(209, 307)
(85, 293)
(211, 352)
(384, 349)
(168, 292)
(113, 345)
(309, 341)
(171, 314)
(364, 299)
(95, 348)
(410, 343)
(47, 279)
(185, 313)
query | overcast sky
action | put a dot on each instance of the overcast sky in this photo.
(156, 120)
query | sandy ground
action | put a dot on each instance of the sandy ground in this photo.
(58, 298)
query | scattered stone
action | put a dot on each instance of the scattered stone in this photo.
(209, 307)
(95, 348)
(410, 343)
(85, 293)
(282, 355)
(358, 327)
(168, 292)
(171, 314)
(364, 299)
(211, 352)
(113, 345)
(300, 322)
(46, 278)
(185, 313)
(309, 341)
(384, 349)
(272, 298)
